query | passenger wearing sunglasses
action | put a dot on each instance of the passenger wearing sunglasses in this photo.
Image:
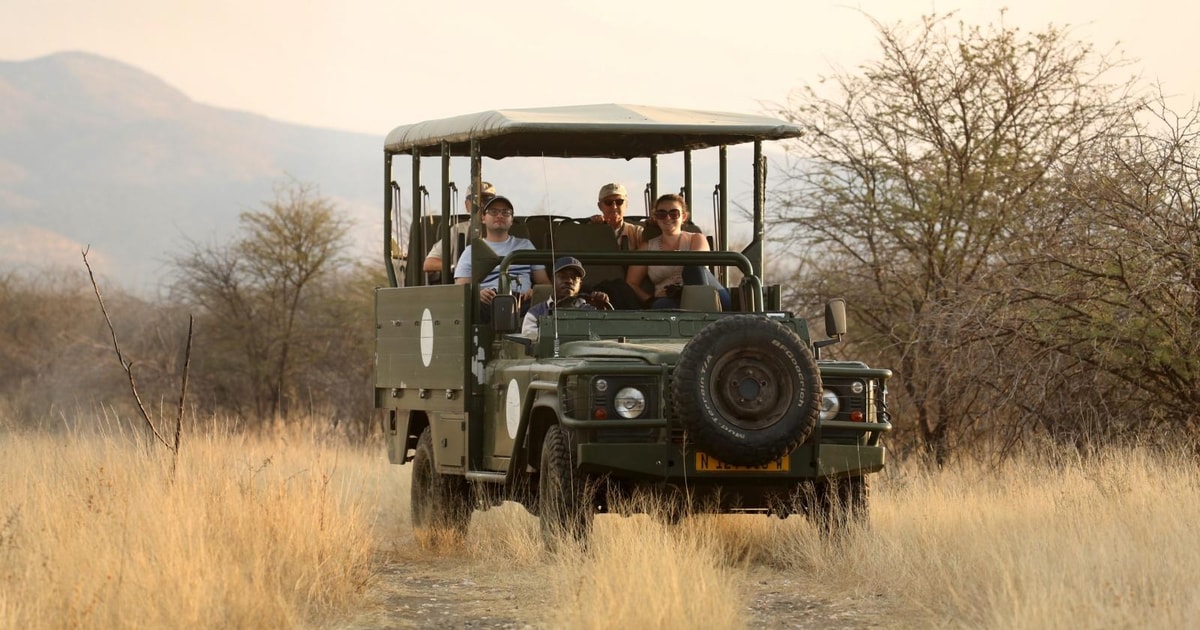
(670, 212)
(496, 217)
(612, 202)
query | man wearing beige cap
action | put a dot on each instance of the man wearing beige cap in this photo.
(433, 260)
(612, 202)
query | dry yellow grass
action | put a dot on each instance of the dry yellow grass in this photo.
(1106, 543)
(280, 532)
(638, 573)
(1101, 543)
(96, 532)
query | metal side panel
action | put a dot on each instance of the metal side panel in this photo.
(421, 347)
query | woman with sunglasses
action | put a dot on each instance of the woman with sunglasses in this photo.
(670, 213)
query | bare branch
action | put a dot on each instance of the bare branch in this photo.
(125, 365)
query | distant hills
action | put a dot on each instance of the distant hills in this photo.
(97, 153)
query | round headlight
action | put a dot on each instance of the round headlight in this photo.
(857, 387)
(630, 402)
(601, 385)
(829, 405)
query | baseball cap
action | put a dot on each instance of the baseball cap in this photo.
(611, 189)
(488, 189)
(494, 200)
(567, 262)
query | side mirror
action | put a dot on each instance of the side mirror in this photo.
(835, 318)
(506, 314)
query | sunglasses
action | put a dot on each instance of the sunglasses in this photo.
(613, 202)
(662, 214)
(499, 212)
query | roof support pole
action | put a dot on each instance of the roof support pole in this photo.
(687, 180)
(760, 191)
(476, 230)
(653, 183)
(387, 219)
(444, 232)
(723, 213)
(417, 274)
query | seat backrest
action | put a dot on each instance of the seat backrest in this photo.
(538, 227)
(584, 237)
(700, 297)
(589, 237)
(520, 229)
(541, 293)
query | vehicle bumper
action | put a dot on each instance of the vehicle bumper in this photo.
(673, 463)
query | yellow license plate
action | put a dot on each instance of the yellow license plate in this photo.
(708, 463)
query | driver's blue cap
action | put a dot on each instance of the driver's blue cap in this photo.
(568, 262)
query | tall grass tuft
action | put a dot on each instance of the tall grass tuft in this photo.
(641, 571)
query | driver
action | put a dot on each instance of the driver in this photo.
(568, 277)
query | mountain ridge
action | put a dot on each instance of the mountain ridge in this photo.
(97, 152)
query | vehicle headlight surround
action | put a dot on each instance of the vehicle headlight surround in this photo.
(830, 405)
(630, 402)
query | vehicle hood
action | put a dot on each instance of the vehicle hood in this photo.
(652, 352)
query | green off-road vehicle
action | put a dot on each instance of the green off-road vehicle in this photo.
(698, 408)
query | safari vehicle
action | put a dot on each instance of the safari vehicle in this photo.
(708, 410)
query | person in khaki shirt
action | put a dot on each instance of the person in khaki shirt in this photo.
(612, 202)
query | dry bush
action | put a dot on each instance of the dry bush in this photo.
(251, 531)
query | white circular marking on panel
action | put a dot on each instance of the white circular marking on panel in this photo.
(512, 408)
(426, 337)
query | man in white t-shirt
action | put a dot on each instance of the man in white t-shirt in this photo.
(496, 217)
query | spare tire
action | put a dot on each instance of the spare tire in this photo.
(747, 390)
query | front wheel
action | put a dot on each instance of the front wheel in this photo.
(840, 504)
(439, 502)
(564, 496)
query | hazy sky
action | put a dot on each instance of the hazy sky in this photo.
(369, 65)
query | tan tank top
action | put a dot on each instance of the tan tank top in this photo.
(662, 275)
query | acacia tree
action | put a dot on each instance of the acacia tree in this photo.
(921, 179)
(1119, 285)
(255, 293)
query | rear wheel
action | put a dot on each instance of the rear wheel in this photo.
(439, 502)
(564, 495)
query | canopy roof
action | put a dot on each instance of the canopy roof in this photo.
(609, 131)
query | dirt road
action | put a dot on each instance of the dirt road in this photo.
(419, 591)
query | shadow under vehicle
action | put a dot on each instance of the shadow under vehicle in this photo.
(702, 409)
